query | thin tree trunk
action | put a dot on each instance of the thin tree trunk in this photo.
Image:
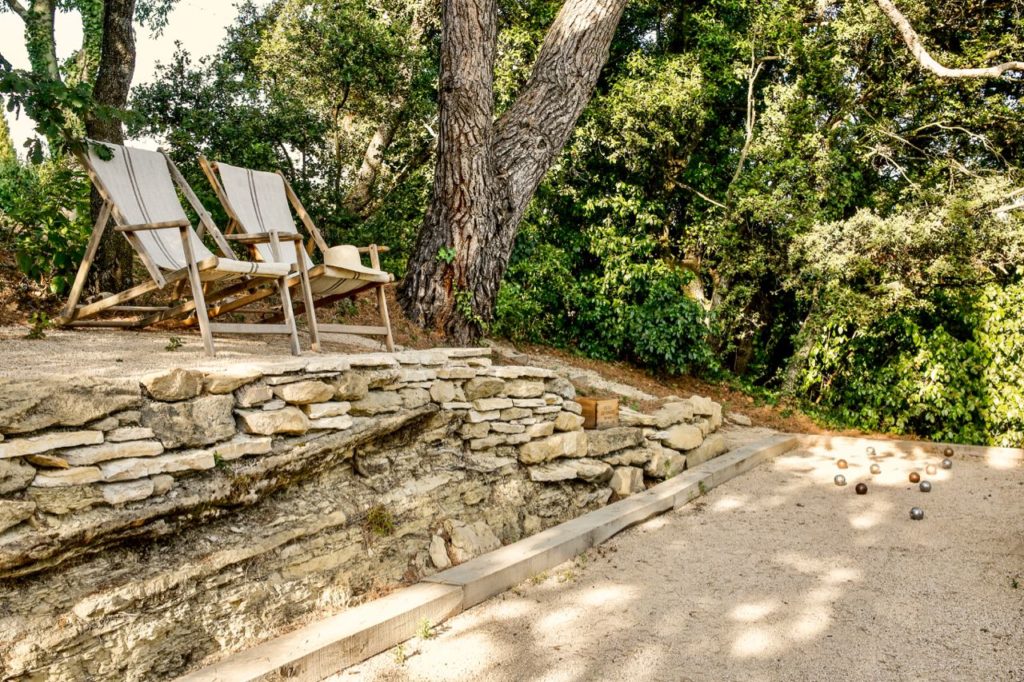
(112, 270)
(487, 171)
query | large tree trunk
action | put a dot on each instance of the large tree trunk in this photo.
(487, 171)
(112, 270)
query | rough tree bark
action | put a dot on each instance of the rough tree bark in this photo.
(487, 171)
(113, 268)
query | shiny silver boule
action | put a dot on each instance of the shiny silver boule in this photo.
(947, 463)
(925, 487)
(840, 479)
(875, 469)
(916, 513)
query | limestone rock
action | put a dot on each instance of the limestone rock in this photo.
(130, 491)
(673, 413)
(683, 437)
(514, 413)
(475, 417)
(304, 392)
(414, 397)
(31, 404)
(351, 386)
(702, 406)
(62, 478)
(340, 423)
(377, 402)
(478, 430)
(665, 464)
(330, 409)
(529, 402)
(517, 372)
(486, 462)
(570, 444)
(380, 378)
(128, 417)
(593, 471)
(491, 404)
(66, 500)
(524, 388)
(108, 424)
(714, 446)
(439, 553)
(502, 427)
(567, 421)
(457, 373)
(540, 430)
(162, 483)
(47, 461)
(560, 386)
(240, 446)
(94, 454)
(13, 512)
(551, 472)
(130, 469)
(288, 420)
(469, 541)
(738, 419)
(15, 475)
(251, 395)
(630, 457)
(483, 387)
(173, 385)
(200, 421)
(572, 406)
(442, 392)
(716, 416)
(606, 441)
(487, 442)
(19, 447)
(127, 433)
(626, 481)
(219, 383)
(274, 405)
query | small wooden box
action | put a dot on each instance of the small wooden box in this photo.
(599, 413)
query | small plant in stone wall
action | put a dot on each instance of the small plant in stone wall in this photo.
(174, 343)
(380, 521)
(425, 630)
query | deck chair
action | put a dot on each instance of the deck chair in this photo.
(258, 201)
(138, 192)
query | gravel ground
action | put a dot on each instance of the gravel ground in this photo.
(776, 575)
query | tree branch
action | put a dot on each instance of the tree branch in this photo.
(18, 9)
(917, 48)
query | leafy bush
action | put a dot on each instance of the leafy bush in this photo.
(44, 211)
(960, 378)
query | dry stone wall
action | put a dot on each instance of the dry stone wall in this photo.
(150, 525)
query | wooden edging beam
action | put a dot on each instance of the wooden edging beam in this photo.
(329, 646)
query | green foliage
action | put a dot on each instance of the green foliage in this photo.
(45, 211)
(173, 344)
(40, 322)
(380, 521)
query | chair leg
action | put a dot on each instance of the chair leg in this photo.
(289, 314)
(382, 307)
(307, 298)
(198, 296)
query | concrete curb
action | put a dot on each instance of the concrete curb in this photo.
(331, 645)
(999, 458)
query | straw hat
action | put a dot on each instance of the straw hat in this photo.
(346, 256)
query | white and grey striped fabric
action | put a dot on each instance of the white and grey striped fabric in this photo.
(142, 189)
(259, 201)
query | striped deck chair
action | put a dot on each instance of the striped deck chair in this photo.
(139, 194)
(257, 202)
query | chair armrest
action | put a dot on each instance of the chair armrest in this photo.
(153, 226)
(264, 237)
(380, 249)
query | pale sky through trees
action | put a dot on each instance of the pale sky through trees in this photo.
(199, 25)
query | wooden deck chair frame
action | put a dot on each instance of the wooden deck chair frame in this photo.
(315, 241)
(197, 274)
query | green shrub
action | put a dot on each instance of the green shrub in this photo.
(956, 375)
(44, 212)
